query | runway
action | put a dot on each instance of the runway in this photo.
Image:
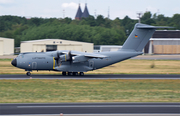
(93, 76)
(90, 108)
(99, 115)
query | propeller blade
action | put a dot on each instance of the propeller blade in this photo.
(57, 58)
(70, 57)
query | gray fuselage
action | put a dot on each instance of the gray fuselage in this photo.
(45, 61)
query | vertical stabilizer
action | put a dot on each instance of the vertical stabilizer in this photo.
(139, 37)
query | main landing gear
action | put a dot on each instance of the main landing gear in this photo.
(73, 73)
(28, 74)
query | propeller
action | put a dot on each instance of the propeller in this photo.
(69, 57)
(63, 58)
(57, 58)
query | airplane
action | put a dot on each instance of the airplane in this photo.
(76, 63)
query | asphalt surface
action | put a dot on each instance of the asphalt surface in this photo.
(157, 57)
(93, 76)
(91, 108)
(98, 115)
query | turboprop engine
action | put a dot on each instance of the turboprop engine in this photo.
(80, 58)
(66, 57)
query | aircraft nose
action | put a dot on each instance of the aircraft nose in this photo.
(14, 62)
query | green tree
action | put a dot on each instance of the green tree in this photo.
(100, 20)
(146, 18)
(66, 20)
(175, 21)
(128, 24)
(107, 23)
(90, 20)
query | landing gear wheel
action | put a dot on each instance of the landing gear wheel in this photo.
(63, 73)
(75, 73)
(28, 74)
(81, 73)
(70, 73)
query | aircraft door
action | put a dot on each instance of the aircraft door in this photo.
(34, 65)
(91, 64)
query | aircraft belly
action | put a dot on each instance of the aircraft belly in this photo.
(74, 68)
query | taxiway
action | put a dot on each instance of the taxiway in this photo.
(90, 108)
(93, 76)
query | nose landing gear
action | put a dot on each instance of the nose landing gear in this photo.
(28, 74)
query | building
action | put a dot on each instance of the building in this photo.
(46, 45)
(81, 14)
(164, 42)
(85, 14)
(6, 46)
(106, 48)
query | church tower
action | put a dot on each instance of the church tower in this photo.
(79, 13)
(86, 12)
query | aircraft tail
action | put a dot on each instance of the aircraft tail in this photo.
(139, 37)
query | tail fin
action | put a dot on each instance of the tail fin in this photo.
(139, 37)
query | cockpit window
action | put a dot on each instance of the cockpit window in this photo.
(21, 55)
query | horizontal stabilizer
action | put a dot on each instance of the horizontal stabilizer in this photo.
(151, 27)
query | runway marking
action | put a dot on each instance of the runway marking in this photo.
(67, 106)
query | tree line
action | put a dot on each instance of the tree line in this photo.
(99, 30)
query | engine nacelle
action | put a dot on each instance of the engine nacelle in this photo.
(63, 58)
(81, 58)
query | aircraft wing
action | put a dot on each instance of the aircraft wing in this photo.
(89, 55)
(95, 56)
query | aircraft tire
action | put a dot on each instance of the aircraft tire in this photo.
(75, 73)
(70, 73)
(81, 74)
(28, 74)
(64, 73)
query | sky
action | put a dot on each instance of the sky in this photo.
(68, 8)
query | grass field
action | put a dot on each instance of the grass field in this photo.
(125, 67)
(46, 91)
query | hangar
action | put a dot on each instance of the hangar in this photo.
(106, 48)
(164, 42)
(6, 46)
(45, 45)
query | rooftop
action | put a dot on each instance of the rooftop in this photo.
(166, 34)
(5, 38)
(40, 40)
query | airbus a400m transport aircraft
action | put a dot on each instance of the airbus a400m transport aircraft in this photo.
(72, 62)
